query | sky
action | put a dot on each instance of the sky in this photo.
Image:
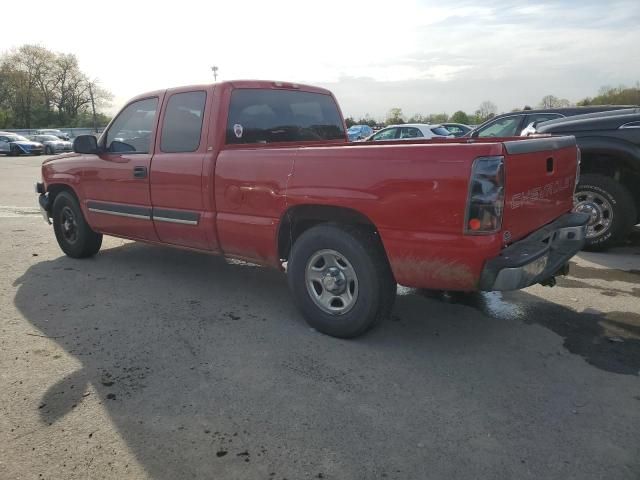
(421, 56)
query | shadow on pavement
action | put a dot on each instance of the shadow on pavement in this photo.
(207, 371)
(608, 341)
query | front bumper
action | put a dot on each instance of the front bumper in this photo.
(43, 202)
(538, 257)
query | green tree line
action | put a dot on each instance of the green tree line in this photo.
(40, 88)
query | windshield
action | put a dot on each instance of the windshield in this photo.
(49, 138)
(441, 131)
(17, 138)
(355, 129)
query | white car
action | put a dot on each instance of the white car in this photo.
(53, 144)
(410, 131)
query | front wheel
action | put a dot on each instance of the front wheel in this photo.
(74, 235)
(610, 207)
(340, 279)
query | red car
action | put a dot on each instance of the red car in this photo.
(262, 171)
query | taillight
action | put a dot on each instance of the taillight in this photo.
(486, 196)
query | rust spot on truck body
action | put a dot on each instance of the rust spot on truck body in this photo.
(434, 273)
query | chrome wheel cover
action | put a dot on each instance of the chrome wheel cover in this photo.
(598, 208)
(331, 282)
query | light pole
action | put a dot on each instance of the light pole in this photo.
(214, 69)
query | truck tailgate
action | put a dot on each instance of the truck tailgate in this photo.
(540, 180)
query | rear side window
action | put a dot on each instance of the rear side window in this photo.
(267, 116)
(182, 124)
(440, 131)
(410, 132)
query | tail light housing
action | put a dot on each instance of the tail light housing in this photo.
(578, 162)
(485, 202)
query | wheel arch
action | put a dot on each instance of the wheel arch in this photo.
(297, 219)
(54, 189)
(613, 158)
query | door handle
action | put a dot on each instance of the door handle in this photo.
(140, 172)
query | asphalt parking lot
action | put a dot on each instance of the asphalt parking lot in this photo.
(147, 362)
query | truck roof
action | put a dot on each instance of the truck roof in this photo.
(265, 84)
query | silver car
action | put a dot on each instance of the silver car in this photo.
(53, 144)
(53, 131)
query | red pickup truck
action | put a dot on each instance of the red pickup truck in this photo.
(262, 171)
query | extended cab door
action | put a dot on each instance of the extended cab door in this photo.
(180, 183)
(116, 182)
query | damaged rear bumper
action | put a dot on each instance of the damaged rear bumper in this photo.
(538, 257)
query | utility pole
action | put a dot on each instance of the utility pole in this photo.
(214, 69)
(93, 108)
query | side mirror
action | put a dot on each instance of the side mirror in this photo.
(85, 144)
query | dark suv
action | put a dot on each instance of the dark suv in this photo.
(511, 124)
(609, 186)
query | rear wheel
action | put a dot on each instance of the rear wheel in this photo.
(340, 279)
(75, 237)
(610, 207)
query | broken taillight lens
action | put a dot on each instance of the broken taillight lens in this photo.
(486, 196)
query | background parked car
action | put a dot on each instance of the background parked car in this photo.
(410, 131)
(13, 144)
(359, 132)
(511, 124)
(53, 144)
(457, 129)
(609, 185)
(53, 131)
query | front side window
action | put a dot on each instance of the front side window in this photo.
(182, 124)
(268, 116)
(503, 127)
(388, 134)
(131, 130)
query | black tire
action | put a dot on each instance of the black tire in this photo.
(620, 211)
(75, 237)
(376, 287)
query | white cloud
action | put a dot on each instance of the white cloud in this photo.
(423, 56)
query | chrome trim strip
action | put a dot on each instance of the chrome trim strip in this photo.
(176, 220)
(119, 214)
(629, 125)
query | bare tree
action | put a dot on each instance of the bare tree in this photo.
(486, 110)
(550, 101)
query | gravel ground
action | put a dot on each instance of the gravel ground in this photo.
(147, 362)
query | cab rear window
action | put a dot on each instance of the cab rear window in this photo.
(269, 116)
